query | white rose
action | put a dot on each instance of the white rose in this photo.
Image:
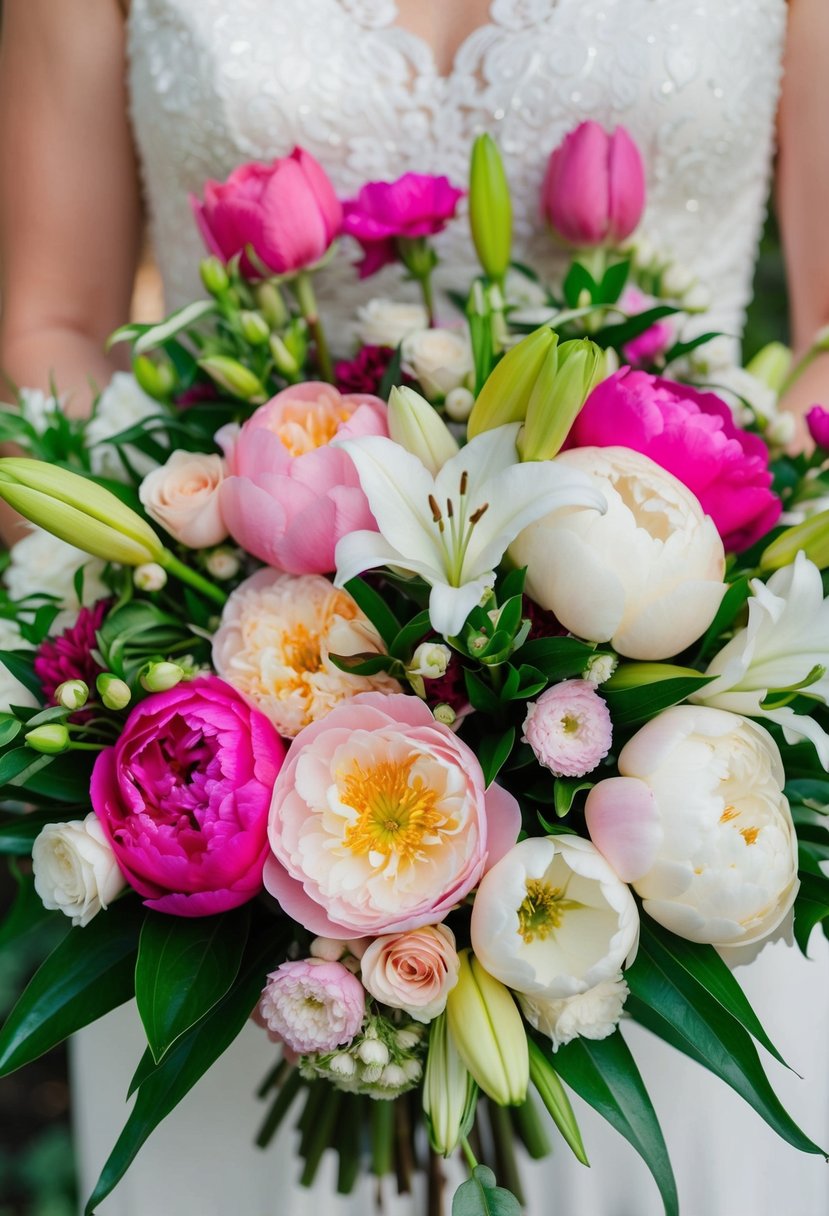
(646, 576)
(593, 1014)
(12, 692)
(725, 869)
(122, 404)
(551, 919)
(439, 359)
(42, 564)
(414, 971)
(75, 870)
(388, 322)
(183, 496)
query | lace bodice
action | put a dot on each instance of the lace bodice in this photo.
(216, 82)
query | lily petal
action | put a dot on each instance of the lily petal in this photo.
(360, 551)
(483, 458)
(450, 606)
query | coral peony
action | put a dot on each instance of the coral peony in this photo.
(415, 205)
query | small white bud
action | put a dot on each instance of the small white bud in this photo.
(407, 1039)
(330, 949)
(781, 430)
(223, 564)
(698, 299)
(444, 714)
(458, 404)
(413, 1069)
(371, 1074)
(72, 694)
(149, 577)
(677, 280)
(430, 660)
(600, 668)
(372, 1051)
(161, 677)
(342, 1064)
(393, 1076)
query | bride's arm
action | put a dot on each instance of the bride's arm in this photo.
(803, 188)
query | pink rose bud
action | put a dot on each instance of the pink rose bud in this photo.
(569, 728)
(313, 1005)
(594, 188)
(817, 421)
(414, 206)
(286, 213)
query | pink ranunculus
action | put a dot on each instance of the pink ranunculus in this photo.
(289, 495)
(184, 796)
(643, 350)
(594, 188)
(312, 1005)
(817, 420)
(415, 205)
(286, 212)
(380, 821)
(569, 728)
(691, 434)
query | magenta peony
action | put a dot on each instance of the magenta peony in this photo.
(594, 188)
(286, 213)
(817, 420)
(289, 495)
(692, 435)
(70, 656)
(380, 821)
(415, 205)
(184, 797)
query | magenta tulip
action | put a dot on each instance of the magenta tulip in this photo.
(414, 206)
(817, 419)
(594, 188)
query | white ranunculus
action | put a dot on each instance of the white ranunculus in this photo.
(785, 642)
(12, 692)
(439, 359)
(646, 575)
(388, 322)
(552, 919)
(122, 404)
(593, 1014)
(725, 870)
(75, 870)
(42, 564)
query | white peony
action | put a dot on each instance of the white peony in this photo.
(647, 575)
(122, 404)
(439, 359)
(42, 564)
(593, 1014)
(12, 692)
(75, 870)
(388, 322)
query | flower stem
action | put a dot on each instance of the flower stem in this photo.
(471, 1159)
(427, 292)
(304, 292)
(185, 575)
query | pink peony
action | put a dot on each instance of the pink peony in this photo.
(287, 213)
(569, 728)
(312, 1005)
(415, 205)
(655, 341)
(594, 188)
(624, 825)
(184, 796)
(70, 655)
(817, 420)
(289, 495)
(692, 435)
(380, 821)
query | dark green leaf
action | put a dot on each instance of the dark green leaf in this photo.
(10, 728)
(731, 606)
(512, 583)
(375, 608)
(613, 282)
(626, 331)
(410, 635)
(481, 696)
(557, 658)
(565, 791)
(391, 376)
(480, 1196)
(26, 915)
(680, 349)
(21, 665)
(19, 763)
(811, 907)
(17, 834)
(810, 792)
(641, 702)
(367, 664)
(493, 753)
(578, 279)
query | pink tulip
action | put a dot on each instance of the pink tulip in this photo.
(290, 496)
(594, 188)
(286, 213)
(817, 419)
(414, 206)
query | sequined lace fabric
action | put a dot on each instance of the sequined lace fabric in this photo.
(215, 83)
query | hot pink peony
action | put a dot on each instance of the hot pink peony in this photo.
(594, 188)
(289, 495)
(286, 212)
(380, 821)
(184, 797)
(415, 205)
(312, 1005)
(692, 435)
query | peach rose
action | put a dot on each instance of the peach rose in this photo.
(413, 971)
(183, 496)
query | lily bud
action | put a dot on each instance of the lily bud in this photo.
(812, 536)
(233, 376)
(490, 207)
(506, 395)
(49, 740)
(417, 427)
(72, 694)
(150, 577)
(488, 1032)
(114, 693)
(567, 378)
(255, 329)
(449, 1093)
(771, 365)
(214, 276)
(76, 510)
(161, 677)
(158, 380)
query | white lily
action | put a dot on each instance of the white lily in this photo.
(452, 529)
(783, 648)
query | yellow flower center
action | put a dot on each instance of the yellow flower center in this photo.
(395, 810)
(302, 650)
(543, 910)
(305, 426)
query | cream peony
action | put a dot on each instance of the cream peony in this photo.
(413, 971)
(647, 575)
(275, 642)
(593, 1014)
(439, 359)
(121, 405)
(183, 496)
(75, 870)
(388, 322)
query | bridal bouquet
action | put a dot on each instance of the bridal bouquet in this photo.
(442, 706)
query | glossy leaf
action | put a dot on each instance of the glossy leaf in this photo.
(26, 915)
(565, 791)
(375, 608)
(20, 663)
(17, 834)
(557, 658)
(811, 907)
(481, 1196)
(493, 753)
(638, 692)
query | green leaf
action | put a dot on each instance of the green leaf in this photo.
(637, 692)
(410, 634)
(21, 665)
(564, 793)
(730, 607)
(185, 966)
(391, 376)
(680, 349)
(87, 975)
(493, 753)
(613, 282)
(18, 834)
(367, 664)
(481, 696)
(554, 1096)
(26, 915)
(375, 608)
(145, 337)
(604, 1073)
(811, 907)
(480, 1196)
(626, 331)
(578, 279)
(557, 658)
(10, 728)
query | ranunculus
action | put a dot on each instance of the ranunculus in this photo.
(380, 821)
(725, 868)
(183, 496)
(552, 919)
(289, 495)
(275, 642)
(817, 420)
(692, 435)
(312, 1005)
(569, 728)
(75, 869)
(414, 971)
(593, 1014)
(415, 205)
(655, 341)
(440, 359)
(286, 213)
(388, 322)
(184, 796)
(646, 575)
(122, 404)
(594, 188)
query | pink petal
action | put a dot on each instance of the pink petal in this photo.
(624, 825)
(627, 185)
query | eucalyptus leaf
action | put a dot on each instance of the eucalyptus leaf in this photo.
(481, 1196)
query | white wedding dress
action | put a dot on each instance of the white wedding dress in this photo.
(217, 82)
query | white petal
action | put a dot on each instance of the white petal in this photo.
(800, 726)
(482, 459)
(359, 551)
(450, 606)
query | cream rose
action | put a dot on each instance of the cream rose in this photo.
(388, 322)
(75, 870)
(413, 971)
(183, 496)
(439, 359)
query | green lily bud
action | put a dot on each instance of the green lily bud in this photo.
(506, 394)
(214, 276)
(72, 694)
(114, 693)
(554, 1096)
(49, 740)
(270, 301)
(233, 376)
(567, 378)
(284, 361)
(255, 329)
(449, 1093)
(772, 365)
(161, 677)
(488, 1032)
(76, 510)
(490, 207)
(417, 427)
(158, 380)
(812, 536)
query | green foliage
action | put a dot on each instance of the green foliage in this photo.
(481, 1196)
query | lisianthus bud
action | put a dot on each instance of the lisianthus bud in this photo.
(488, 1032)
(255, 328)
(449, 1093)
(506, 394)
(771, 365)
(214, 276)
(283, 360)
(490, 207)
(568, 376)
(233, 376)
(430, 660)
(50, 739)
(160, 677)
(72, 694)
(223, 564)
(272, 306)
(157, 379)
(150, 577)
(114, 693)
(417, 427)
(459, 404)
(445, 714)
